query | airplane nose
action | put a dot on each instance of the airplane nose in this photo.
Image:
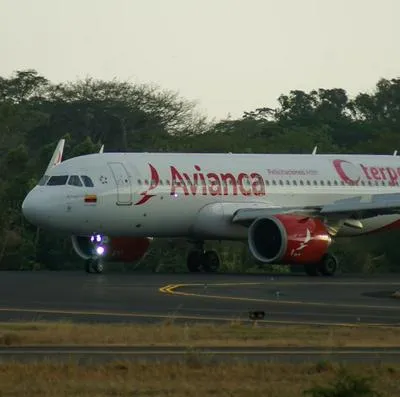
(28, 208)
(34, 209)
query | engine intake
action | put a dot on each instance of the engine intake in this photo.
(288, 239)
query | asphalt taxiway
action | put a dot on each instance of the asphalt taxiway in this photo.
(134, 297)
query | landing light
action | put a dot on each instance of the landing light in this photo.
(96, 238)
(100, 250)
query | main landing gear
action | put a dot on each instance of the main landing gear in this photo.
(200, 260)
(326, 267)
(94, 265)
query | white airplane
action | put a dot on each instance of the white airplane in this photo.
(289, 208)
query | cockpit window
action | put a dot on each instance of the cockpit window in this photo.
(57, 180)
(43, 180)
(87, 181)
(74, 180)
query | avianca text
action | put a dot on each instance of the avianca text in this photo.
(216, 184)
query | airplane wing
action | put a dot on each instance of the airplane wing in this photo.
(374, 204)
(248, 215)
(356, 207)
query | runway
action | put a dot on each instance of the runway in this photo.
(152, 298)
(204, 355)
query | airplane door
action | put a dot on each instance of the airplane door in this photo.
(123, 182)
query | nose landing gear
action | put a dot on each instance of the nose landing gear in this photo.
(94, 265)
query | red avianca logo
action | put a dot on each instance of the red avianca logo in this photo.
(351, 173)
(206, 184)
(154, 182)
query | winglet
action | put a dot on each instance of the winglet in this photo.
(57, 155)
(101, 149)
(395, 153)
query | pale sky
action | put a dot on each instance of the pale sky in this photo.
(230, 56)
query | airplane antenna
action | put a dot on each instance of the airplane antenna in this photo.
(395, 153)
(314, 152)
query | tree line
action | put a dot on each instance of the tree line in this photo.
(35, 113)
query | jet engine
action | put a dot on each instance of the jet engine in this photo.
(288, 239)
(98, 248)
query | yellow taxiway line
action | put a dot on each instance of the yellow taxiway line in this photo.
(172, 290)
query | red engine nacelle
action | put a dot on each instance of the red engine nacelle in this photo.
(127, 249)
(288, 239)
(116, 249)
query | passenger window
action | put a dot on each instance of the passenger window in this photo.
(57, 180)
(87, 181)
(74, 180)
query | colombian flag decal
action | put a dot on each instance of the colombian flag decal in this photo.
(90, 198)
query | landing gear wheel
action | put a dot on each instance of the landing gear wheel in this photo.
(211, 261)
(328, 265)
(311, 270)
(98, 266)
(94, 266)
(194, 261)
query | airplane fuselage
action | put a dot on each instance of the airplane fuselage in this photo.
(195, 195)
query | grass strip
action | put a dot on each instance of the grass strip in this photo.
(200, 334)
(196, 377)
